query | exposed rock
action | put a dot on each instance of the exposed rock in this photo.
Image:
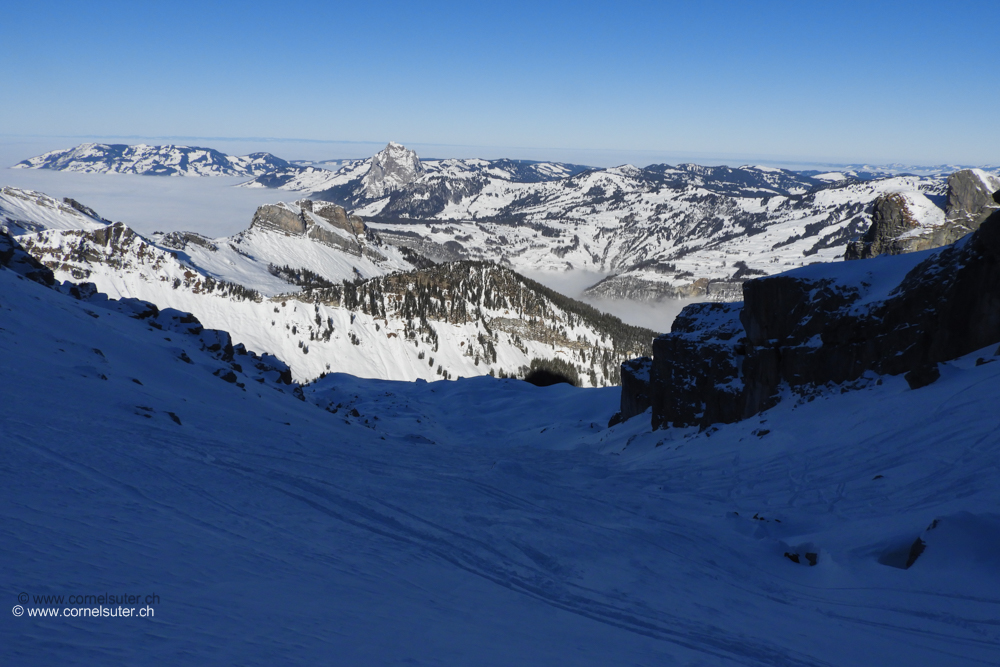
(350, 233)
(392, 168)
(895, 229)
(891, 218)
(180, 240)
(278, 218)
(970, 199)
(336, 216)
(635, 387)
(824, 324)
(695, 373)
(15, 258)
(86, 210)
(922, 375)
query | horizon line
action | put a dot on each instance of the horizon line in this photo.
(747, 161)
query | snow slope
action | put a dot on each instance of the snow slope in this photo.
(481, 522)
(23, 211)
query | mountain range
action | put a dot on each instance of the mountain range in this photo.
(321, 290)
(153, 161)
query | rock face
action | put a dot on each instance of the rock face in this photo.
(323, 222)
(279, 219)
(827, 324)
(970, 199)
(14, 257)
(635, 387)
(896, 230)
(891, 218)
(392, 168)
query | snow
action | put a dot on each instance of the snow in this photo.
(480, 521)
(26, 210)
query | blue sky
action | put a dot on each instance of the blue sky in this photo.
(579, 81)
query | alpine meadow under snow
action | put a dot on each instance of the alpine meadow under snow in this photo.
(310, 442)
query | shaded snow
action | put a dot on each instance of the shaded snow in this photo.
(479, 522)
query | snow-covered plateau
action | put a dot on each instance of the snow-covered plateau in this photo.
(481, 521)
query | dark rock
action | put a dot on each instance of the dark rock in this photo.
(86, 210)
(546, 378)
(922, 375)
(226, 375)
(891, 218)
(695, 376)
(635, 387)
(15, 258)
(970, 203)
(902, 554)
(970, 198)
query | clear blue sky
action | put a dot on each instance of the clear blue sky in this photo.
(799, 81)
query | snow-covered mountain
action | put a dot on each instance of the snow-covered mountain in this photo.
(395, 168)
(661, 231)
(318, 288)
(154, 161)
(483, 521)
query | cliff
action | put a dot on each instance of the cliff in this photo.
(827, 323)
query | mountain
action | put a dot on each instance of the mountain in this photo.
(317, 287)
(684, 231)
(659, 232)
(361, 181)
(154, 161)
(482, 521)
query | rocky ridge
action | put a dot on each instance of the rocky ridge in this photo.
(315, 286)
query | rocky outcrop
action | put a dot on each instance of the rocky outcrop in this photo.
(15, 258)
(280, 219)
(828, 324)
(335, 215)
(970, 197)
(891, 219)
(349, 232)
(635, 388)
(896, 230)
(392, 168)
